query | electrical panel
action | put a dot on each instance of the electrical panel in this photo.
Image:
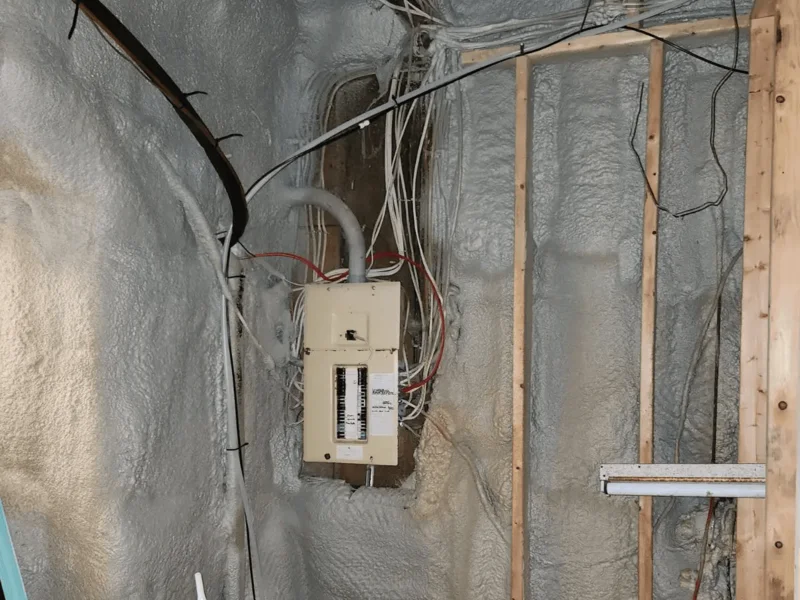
(352, 337)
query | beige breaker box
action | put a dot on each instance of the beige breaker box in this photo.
(352, 335)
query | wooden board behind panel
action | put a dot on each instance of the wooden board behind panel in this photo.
(354, 171)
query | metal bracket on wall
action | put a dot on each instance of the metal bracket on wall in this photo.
(700, 481)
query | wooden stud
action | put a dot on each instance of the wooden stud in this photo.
(619, 42)
(518, 504)
(751, 513)
(763, 8)
(784, 315)
(649, 264)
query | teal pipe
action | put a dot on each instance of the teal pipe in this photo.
(10, 577)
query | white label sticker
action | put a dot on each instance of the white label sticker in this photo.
(344, 452)
(383, 404)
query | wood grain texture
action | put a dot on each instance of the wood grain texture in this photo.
(751, 513)
(784, 316)
(620, 42)
(518, 504)
(763, 8)
(647, 357)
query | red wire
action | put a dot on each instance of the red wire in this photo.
(378, 256)
(440, 306)
(699, 581)
(302, 259)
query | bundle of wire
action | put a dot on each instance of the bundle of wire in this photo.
(401, 205)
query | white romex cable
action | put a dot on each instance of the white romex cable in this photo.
(364, 119)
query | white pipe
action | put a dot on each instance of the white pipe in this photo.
(351, 228)
(694, 489)
(201, 590)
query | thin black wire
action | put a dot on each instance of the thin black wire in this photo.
(586, 14)
(469, 73)
(246, 250)
(631, 143)
(715, 414)
(74, 19)
(239, 449)
(685, 50)
(229, 136)
(713, 129)
(523, 51)
(711, 136)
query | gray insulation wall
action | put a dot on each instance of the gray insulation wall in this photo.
(112, 439)
(112, 461)
(585, 210)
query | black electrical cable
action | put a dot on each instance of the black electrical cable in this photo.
(586, 14)
(711, 136)
(468, 72)
(411, 97)
(713, 129)
(250, 254)
(155, 73)
(685, 50)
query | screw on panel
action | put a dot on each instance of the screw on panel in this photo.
(782, 405)
(779, 545)
(327, 456)
(780, 99)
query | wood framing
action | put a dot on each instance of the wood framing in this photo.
(648, 341)
(767, 548)
(784, 315)
(619, 42)
(751, 514)
(518, 504)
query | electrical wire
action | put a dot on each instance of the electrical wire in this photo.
(480, 484)
(364, 120)
(586, 14)
(440, 305)
(714, 426)
(380, 256)
(711, 137)
(234, 433)
(410, 10)
(97, 12)
(693, 362)
(709, 519)
(208, 246)
(697, 352)
(317, 271)
(685, 50)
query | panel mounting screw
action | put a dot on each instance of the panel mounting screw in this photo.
(780, 99)
(327, 456)
(782, 405)
(779, 544)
